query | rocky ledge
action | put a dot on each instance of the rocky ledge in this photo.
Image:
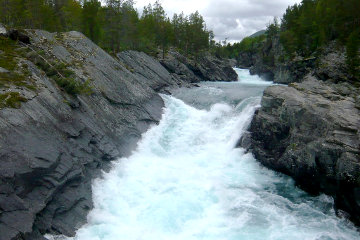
(202, 68)
(311, 131)
(71, 109)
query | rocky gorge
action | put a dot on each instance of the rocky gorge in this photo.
(68, 108)
(309, 129)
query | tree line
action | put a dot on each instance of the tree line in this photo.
(115, 26)
(307, 26)
(313, 23)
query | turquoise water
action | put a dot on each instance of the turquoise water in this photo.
(186, 181)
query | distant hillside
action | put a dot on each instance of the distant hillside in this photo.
(259, 33)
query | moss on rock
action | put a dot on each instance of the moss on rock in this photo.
(11, 100)
(17, 74)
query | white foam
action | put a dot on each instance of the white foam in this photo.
(245, 78)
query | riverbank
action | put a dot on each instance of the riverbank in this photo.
(310, 129)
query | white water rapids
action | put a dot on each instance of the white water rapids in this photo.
(186, 181)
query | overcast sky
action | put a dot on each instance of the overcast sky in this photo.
(232, 19)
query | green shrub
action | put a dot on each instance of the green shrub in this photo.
(63, 76)
(352, 53)
(8, 59)
(11, 100)
(73, 87)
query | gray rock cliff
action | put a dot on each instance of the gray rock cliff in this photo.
(311, 131)
(55, 143)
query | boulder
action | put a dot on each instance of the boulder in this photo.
(311, 132)
(3, 31)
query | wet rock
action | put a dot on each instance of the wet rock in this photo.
(3, 31)
(311, 132)
(3, 70)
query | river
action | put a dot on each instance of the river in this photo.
(187, 181)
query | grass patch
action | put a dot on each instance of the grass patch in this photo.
(293, 146)
(73, 87)
(17, 75)
(7, 58)
(61, 74)
(11, 100)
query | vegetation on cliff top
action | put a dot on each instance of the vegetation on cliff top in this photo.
(60, 73)
(17, 74)
(313, 23)
(115, 26)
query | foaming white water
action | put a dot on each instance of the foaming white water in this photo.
(186, 181)
(245, 78)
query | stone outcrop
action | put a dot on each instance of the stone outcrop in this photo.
(55, 143)
(203, 68)
(311, 131)
(149, 71)
(331, 65)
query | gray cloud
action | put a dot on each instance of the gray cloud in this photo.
(236, 28)
(236, 19)
(232, 19)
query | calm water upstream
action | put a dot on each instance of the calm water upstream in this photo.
(186, 181)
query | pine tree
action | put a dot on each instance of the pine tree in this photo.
(352, 54)
(90, 20)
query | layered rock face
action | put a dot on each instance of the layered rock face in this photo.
(204, 68)
(311, 131)
(56, 143)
